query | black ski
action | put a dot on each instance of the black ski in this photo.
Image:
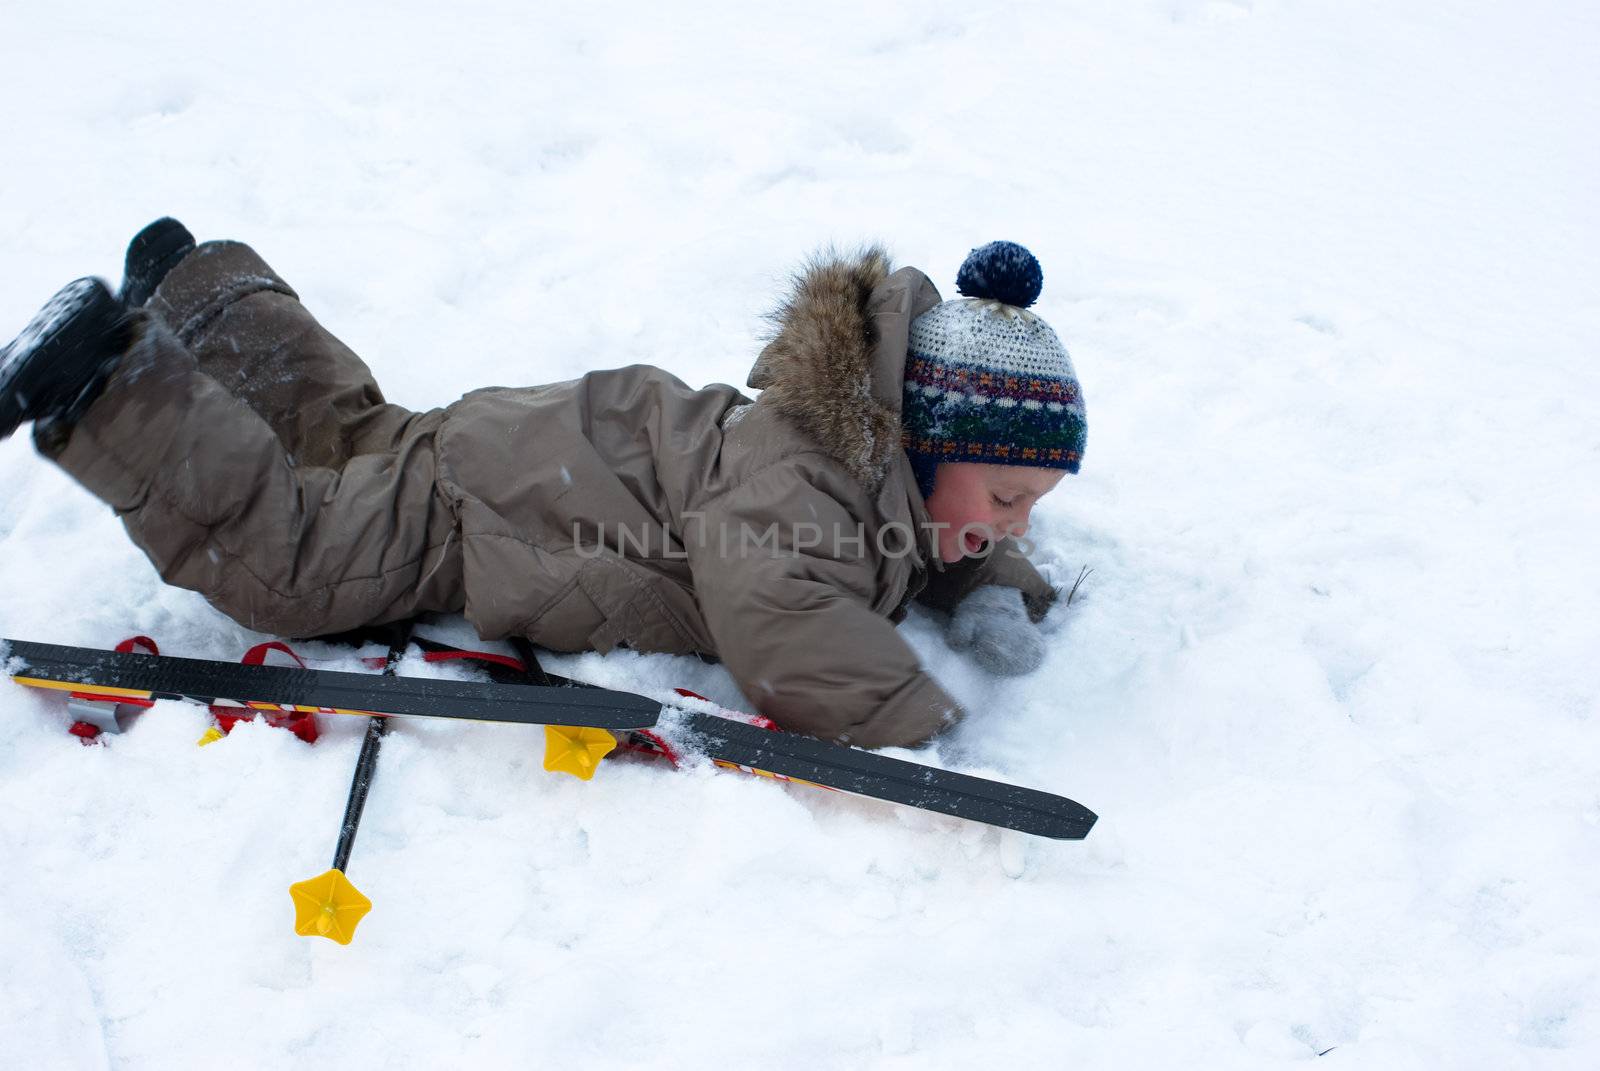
(865, 773)
(166, 677)
(553, 700)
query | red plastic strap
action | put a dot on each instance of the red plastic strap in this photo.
(84, 731)
(127, 645)
(114, 700)
(257, 655)
(758, 720)
(301, 723)
(227, 717)
(661, 750)
(476, 656)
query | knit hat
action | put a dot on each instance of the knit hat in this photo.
(988, 381)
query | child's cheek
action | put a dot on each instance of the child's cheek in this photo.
(949, 552)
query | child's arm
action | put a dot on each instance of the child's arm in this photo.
(796, 619)
(1005, 566)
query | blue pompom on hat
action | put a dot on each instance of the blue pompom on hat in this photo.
(1003, 272)
(988, 381)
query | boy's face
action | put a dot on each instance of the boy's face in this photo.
(982, 504)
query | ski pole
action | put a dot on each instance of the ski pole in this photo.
(329, 905)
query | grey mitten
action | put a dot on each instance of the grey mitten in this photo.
(993, 624)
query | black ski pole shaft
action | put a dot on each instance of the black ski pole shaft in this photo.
(531, 669)
(366, 765)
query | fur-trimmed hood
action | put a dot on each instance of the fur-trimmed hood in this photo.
(835, 365)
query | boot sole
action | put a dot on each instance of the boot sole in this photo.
(46, 325)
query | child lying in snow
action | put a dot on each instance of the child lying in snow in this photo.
(895, 451)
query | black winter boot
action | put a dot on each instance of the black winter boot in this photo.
(56, 367)
(153, 252)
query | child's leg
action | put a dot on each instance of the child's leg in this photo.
(247, 330)
(208, 491)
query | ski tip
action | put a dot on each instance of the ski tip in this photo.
(328, 905)
(1081, 824)
(1062, 819)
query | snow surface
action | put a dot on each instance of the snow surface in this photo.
(1328, 271)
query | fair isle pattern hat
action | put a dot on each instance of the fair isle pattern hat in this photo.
(988, 381)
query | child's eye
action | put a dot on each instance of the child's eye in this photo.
(1002, 503)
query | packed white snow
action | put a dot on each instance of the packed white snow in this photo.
(1328, 273)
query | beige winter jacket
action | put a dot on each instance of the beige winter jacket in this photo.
(765, 524)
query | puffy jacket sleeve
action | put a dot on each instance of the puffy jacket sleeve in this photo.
(1006, 566)
(791, 610)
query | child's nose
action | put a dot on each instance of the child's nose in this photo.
(1018, 527)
